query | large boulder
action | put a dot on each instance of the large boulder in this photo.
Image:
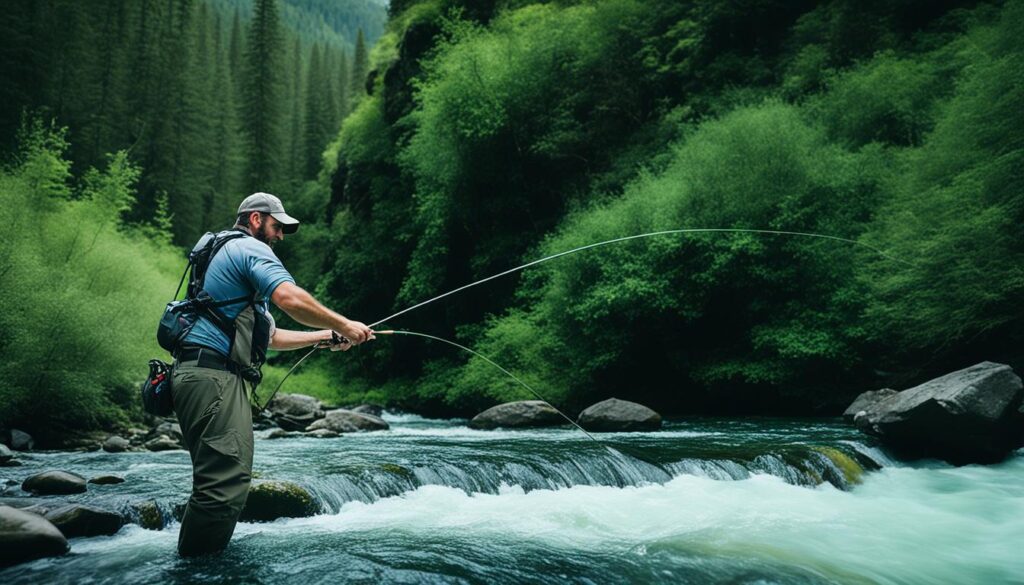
(295, 412)
(293, 422)
(299, 405)
(166, 429)
(614, 415)
(53, 483)
(866, 400)
(967, 416)
(78, 520)
(520, 414)
(20, 440)
(346, 421)
(5, 454)
(116, 444)
(25, 536)
(270, 500)
(163, 443)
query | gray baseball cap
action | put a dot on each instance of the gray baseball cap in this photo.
(268, 203)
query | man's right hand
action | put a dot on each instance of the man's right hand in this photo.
(356, 332)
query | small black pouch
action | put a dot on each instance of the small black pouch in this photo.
(178, 319)
(156, 390)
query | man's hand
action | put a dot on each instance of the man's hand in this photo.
(356, 332)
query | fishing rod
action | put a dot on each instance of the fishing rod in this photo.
(323, 345)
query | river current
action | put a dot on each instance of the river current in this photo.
(702, 501)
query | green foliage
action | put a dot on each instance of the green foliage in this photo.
(888, 99)
(957, 208)
(508, 116)
(729, 308)
(78, 294)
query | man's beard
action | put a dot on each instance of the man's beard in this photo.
(261, 235)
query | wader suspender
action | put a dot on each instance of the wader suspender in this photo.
(206, 307)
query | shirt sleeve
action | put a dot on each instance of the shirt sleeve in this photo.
(265, 271)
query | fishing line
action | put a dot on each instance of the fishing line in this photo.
(878, 251)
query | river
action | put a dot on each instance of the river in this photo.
(703, 501)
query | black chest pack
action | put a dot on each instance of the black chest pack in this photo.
(248, 332)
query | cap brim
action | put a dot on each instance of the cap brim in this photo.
(289, 224)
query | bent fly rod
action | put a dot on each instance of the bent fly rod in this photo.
(323, 345)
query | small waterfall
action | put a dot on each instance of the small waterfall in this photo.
(805, 465)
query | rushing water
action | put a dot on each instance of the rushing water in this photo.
(702, 501)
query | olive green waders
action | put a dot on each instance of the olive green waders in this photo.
(216, 423)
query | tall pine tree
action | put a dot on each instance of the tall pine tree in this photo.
(226, 153)
(261, 98)
(296, 153)
(360, 67)
(316, 112)
(344, 86)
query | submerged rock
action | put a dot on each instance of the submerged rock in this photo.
(25, 536)
(270, 500)
(865, 400)
(322, 434)
(107, 479)
(79, 520)
(147, 514)
(519, 414)
(346, 421)
(116, 444)
(280, 434)
(54, 482)
(967, 416)
(261, 421)
(614, 415)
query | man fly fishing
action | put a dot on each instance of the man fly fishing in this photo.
(225, 348)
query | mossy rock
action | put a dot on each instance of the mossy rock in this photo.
(148, 515)
(396, 470)
(852, 471)
(270, 500)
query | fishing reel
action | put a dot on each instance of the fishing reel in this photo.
(335, 340)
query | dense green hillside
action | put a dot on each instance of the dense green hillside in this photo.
(498, 134)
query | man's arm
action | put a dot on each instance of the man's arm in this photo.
(301, 306)
(286, 339)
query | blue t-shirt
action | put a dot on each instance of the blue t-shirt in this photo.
(243, 267)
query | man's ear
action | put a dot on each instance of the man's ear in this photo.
(255, 219)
